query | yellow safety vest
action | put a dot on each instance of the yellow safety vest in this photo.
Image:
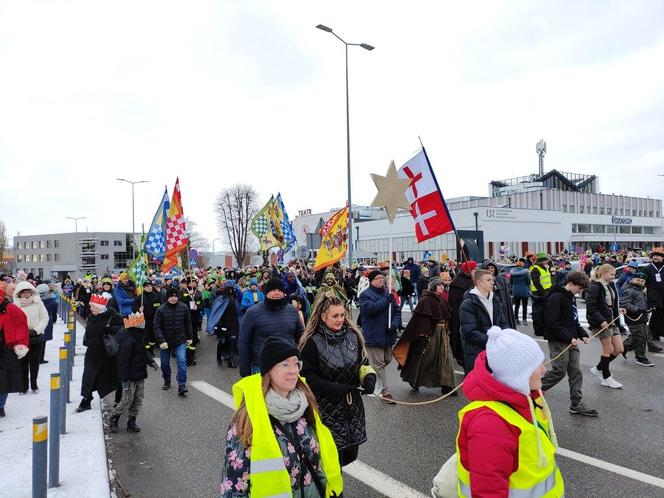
(268, 476)
(530, 480)
(545, 278)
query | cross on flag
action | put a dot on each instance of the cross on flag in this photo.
(427, 205)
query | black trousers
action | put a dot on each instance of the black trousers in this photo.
(657, 323)
(523, 301)
(30, 366)
(348, 455)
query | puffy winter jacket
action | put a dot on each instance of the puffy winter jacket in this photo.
(597, 310)
(634, 300)
(172, 324)
(124, 295)
(331, 365)
(488, 444)
(150, 302)
(373, 315)
(520, 282)
(474, 323)
(132, 356)
(260, 322)
(561, 316)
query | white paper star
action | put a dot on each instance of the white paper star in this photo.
(391, 192)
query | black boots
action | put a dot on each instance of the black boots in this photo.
(231, 361)
(113, 423)
(182, 390)
(167, 385)
(84, 405)
(131, 425)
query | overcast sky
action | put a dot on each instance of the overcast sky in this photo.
(221, 92)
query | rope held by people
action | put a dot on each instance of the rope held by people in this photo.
(447, 395)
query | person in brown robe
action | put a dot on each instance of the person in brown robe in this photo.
(423, 351)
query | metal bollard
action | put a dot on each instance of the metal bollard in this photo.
(64, 392)
(69, 353)
(54, 434)
(39, 456)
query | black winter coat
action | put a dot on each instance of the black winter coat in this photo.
(561, 316)
(132, 357)
(461, 284)
(172, 324)
(150, 302)
(331, 365)
(260, 322)
(474, 323)
(655, 289)
(100, 372)
(597, 310)
(633, 299)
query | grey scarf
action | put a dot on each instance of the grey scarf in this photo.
(288, 409)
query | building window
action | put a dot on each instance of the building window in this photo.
(637, 229)
(42, 258)
(574, 228)
(89, 260)
(564, 208)
(608, 210)
(571, 208)
(17, 245)
(56, 243)
(601, 210)
(19, 258)
(104, 256)
(34, 258)
(648, 230)
(583, 228)
(610, 229)
(48, 244)
(56, 257)
(48, 257)
(117, 243)
(34, 244)
(104, 243)
(581, 209)
(42, 244)
(625, 229)
(633, 212)
(594, 209)
(599, 229)
(88, 247)
(650, 213)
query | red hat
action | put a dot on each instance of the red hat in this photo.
(98, 299)
(468, 266)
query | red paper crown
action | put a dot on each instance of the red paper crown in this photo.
(98, 299)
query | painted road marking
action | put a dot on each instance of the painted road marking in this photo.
(394, 489)
(361, 471)
(616, 469)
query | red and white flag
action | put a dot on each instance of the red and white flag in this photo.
(427, 205)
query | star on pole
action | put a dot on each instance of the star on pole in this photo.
(391, 192)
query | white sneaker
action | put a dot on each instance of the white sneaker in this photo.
(613, 384)
(596, 373)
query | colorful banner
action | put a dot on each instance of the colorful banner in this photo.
(155, 244)
(261, 227)
(176, 237)
(335, 240)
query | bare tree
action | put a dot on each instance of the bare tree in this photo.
(235, 209)
(196, 240)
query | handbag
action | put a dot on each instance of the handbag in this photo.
(445, 482)
(35, 338)
(111, 344)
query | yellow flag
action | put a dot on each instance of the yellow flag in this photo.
(335, 240)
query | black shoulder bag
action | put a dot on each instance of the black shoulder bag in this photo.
(303, 458)
(111, 344)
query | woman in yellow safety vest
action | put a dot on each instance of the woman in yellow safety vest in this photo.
(276, 445)
(506, 442)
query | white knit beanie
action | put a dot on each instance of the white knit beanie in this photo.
(513, 357)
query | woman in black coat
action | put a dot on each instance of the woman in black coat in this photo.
(100, 371)
(336, 366)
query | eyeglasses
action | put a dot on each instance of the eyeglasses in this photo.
(284, 365)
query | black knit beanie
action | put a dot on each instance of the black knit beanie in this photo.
(373, 274)
(171, 291)
(272, 284)
(274, 350)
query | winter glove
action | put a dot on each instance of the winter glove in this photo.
(125, 385)
(369, 383)
(153, 364)
(21, 350)
(189, 341)
(163, 346)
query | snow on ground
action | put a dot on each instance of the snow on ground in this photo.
(83, 466)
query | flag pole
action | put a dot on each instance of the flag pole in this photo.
(389, 276)
(458, 240)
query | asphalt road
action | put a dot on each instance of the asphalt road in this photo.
(180, 448)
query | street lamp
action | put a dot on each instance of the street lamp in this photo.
(132, 210)
(350, 205)
(76, 230)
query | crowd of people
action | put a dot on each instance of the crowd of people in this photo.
(339, 329)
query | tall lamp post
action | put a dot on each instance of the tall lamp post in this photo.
(350, 205)
(133, 231)
(76, 230)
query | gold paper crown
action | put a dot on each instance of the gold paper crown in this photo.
(135, 320)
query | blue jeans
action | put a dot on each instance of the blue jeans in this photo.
(3, 399)
(180, 357)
